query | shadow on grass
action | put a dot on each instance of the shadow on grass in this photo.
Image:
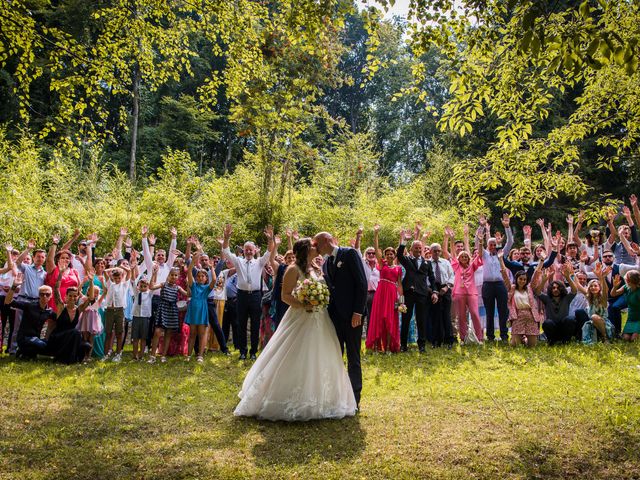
(299, 443)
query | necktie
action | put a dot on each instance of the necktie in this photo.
(249, 273)
(140, 299)
(438, 274)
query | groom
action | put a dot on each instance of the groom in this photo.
(344, 274)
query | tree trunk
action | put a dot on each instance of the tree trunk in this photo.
(229, 150)
(134, 126)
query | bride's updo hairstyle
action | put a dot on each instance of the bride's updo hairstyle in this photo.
(301, 251)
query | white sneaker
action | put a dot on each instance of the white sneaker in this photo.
(146, 350)
(200, 359)
(151, 360)
(117, 357)
(163, 359)
(187, 358)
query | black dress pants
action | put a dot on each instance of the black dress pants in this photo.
(249, 306)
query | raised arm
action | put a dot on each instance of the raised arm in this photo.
(545, 234)
(146, 252)
(71, 241)
(358, 242)
(576, 231)
(613, 232)
(31, 244)
(51, 255)
(171, 256)
(569, 228)
(575, 285)
(506, 224)
(618, 286)
(272, 258)
(465, 237)
(376, 244)
(226, 236)
(56, 291)
(289, 234)
(10, 265)
(448, 234)
(196, 260)
(503, 271)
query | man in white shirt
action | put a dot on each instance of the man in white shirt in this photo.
(249, 300)
(441, 310)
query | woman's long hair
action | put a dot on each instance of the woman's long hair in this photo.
(301, 251)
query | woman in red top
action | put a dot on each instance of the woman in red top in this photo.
(465, 293)
(57, 262)
(383, 333)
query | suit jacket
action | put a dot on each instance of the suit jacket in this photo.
(347, 284)
(415, 279)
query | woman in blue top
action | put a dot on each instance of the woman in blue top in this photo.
(198, 313)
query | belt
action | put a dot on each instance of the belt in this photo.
(388, 281)
(249, 292)
(371, 291)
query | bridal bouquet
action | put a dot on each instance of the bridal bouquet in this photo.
(400, 306)
(312, 293)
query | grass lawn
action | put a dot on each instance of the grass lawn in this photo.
(475, 412)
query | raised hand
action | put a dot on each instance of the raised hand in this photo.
(296, 235)
(220, 241)
(611, 215)
(359, 231)
(8, 247)
(617, 281)
(152, 239)
(584, 256)
(506, 221)
(145, 231)
(268, 232)
(570, 220)
(626, 212)
(175, 252)
(607, 270)
(581, 216)
(31, 244)
(134, 255)
(128, 242)
(174, 232)
(277, 240)
(526, 230)
(465, 229)
(633, 200)
(376, 228)
(288, 232)
(635, 247)
(448, 231)
(156, 267)
(597, 269)
(540, 222)
(406, 234)
(498, 237)
(56, 238)
(123, 231)
(228, 229)
(567, 268)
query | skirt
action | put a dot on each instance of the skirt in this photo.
(90, 322)
(525, 324)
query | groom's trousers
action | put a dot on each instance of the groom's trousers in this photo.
(249, 307)
(351, 340)
(420, 304)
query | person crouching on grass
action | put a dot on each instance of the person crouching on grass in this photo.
(167, 322)
(631, 290)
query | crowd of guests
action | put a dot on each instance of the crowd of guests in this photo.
(79, 306)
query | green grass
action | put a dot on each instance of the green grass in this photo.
(474, 412)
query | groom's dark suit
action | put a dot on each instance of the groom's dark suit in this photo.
(347, 283)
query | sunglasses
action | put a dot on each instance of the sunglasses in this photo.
(607, 256)
(43, 294)
(371, 253)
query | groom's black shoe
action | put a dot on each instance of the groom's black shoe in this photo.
(243, 356)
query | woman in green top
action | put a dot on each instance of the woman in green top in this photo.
(631, 291)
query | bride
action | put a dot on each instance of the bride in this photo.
(300, 374)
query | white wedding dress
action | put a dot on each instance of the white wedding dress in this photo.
(300, 374)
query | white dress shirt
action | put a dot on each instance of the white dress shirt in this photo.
(249, 271)
(163, 270)
(446, 271)
(116, 295)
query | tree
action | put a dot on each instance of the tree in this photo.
(511, 62)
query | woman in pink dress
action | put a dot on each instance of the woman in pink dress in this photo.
(465, 292)
(56, 262)
(383, 333)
